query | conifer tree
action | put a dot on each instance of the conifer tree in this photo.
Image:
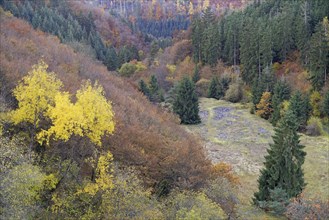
(258, 87)
(212, 90)
(186, 103)
(154, 86)
(144, 88)
(196, 74)
(155, 94)
(210, 45)
(283, 164)
(111, 59)
(196, 36)
(154, 50)
(301, 108)
(215, 89)
(319, 57)
(281, 93)
(325, 105)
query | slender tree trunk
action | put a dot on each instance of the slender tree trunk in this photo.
(325, 76)
(234, 48)
(32, 134)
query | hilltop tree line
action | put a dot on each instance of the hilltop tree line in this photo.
(257, 40)
(265, 33)
(57, 19)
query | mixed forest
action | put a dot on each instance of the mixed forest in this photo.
(99, 99)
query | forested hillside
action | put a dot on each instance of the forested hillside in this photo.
(144, 136)
(93, 95)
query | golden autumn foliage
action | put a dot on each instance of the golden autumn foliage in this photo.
(128, 199)
(315, 101)
(21, 189)
(35, 94)
(90, 116)
(224, 170)
(264, 108)
(39, 96)
(192, 205)
(145, 136)
(104, 177)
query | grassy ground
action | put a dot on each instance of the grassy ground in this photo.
(235, 136)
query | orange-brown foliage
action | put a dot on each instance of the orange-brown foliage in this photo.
(224, 170)
(112, 30)
(180, 50)
(145, 136)
(294, 73)
(306, 208)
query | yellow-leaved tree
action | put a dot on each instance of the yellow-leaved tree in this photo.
(35, 94)
(91, 115)
(264, 108)
(104, 176)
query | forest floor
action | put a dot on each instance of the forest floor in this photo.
(235, 136)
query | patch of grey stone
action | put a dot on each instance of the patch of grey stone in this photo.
(221, 112)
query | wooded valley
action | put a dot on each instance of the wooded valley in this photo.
(138, 109)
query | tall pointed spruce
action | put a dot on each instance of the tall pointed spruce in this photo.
(283, 164)
(186, 103)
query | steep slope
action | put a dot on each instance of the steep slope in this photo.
(145, 136)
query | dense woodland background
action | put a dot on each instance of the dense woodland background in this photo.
(152, 60)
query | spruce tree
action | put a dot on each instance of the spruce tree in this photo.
(186, 103)
(283, 164)
(281, 93)
(212, 90)
(197, 30)
(319, 57)
(111, 59)
(300, 106)
(325, 105)
(144, 88)
(215, 89)
(154, 50)
(257, 89)
(196, 74)
(156, 94)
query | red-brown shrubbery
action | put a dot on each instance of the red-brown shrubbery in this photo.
(114, 32)
(145, 136)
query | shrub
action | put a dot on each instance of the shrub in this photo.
(325, 105)
(129, 199)
(315, 100)
(224, 170)
(277, 203)
(202, 87)
(314, 127)
(222, 192)
(301, 208)
(20, 191)
(127, 69)
(190, 205)
(234, 93)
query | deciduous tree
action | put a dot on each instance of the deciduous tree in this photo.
(91, 115)
(35, 95)
(264, 107)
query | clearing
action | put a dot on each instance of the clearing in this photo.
(235, 136)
